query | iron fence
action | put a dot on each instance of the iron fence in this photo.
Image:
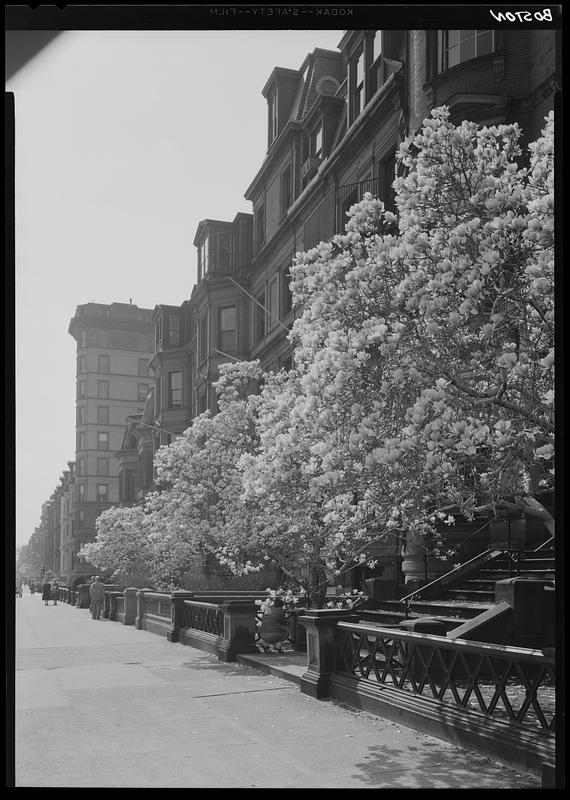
(504, 683)
(204, 617)
(157, 605)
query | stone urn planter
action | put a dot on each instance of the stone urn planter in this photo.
(416, 570)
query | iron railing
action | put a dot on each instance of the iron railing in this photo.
(205, 617)
(351, 193)
(157, 605)
(504, 683)
(462, 570)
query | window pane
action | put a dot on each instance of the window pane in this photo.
(484, 43)
(467, 49)
(376, 45)
(224, 251)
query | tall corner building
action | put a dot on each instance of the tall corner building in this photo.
(114, 346)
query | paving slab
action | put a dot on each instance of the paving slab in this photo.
(101, 704)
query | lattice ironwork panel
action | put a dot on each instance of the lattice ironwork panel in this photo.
(208, 620)
(515, 688)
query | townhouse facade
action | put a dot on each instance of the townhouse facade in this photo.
(333, 129)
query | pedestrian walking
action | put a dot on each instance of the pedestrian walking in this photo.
(20, 587)
(32, 587)
(54, 591)
(96, 593)
(46, 592)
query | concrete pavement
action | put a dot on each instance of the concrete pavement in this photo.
(100, 704)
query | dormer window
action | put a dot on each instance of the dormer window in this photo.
(203, 259)
(356, 81)
(317, 141)
(272, 103)
(367, 71)
(173, 330)
(215, 253)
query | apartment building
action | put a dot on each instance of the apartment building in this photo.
(114, 346)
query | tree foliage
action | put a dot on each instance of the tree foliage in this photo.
(423, 384)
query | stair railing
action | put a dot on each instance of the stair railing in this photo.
(544, 544)
(460, 571)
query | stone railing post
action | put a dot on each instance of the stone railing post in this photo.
(83, 598)
(177, 617)
(130, 610)
(239, 629)
(320, 626)
(140, 608)
(527, 598)
(109, 589)
(113, 604)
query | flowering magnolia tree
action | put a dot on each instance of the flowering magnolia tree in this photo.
(122, 545)
(424, 354)
(196, 508)
(423, 385)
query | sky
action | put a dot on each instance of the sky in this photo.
(125, 140)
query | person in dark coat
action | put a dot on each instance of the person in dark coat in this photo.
(54, 591)
(97, 595)
(274, 629)
(46, 592)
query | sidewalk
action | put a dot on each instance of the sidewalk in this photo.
(100, 704)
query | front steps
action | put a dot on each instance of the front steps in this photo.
(470, 597)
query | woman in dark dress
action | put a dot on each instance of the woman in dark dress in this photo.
(46, 592)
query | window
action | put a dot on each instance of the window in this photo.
(286, 293)
(142, 391)
(202, 339)
(202, 401)
(455, 47)
(81, 440)
(102, 492)
(81, 365)
(259, 225)
(273, 302)
(272, 108)
(386, 173)
(102, 388)
(259, 316)
(81, 492)
(173, 330)
(81, 467)
(285, 190)
(129, 485)
(81, 389)
(356, 79)
(102, 440)
(317, 142)
(103, 415)
(103, 467)
(227, 329)
(103, 364)
(203, 259)
(374, 64)
(143, 368)
(81, 415)
(224, 251)
(83, 338)
(175, 389)
(80, 518)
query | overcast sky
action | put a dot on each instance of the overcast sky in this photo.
(125, 140)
